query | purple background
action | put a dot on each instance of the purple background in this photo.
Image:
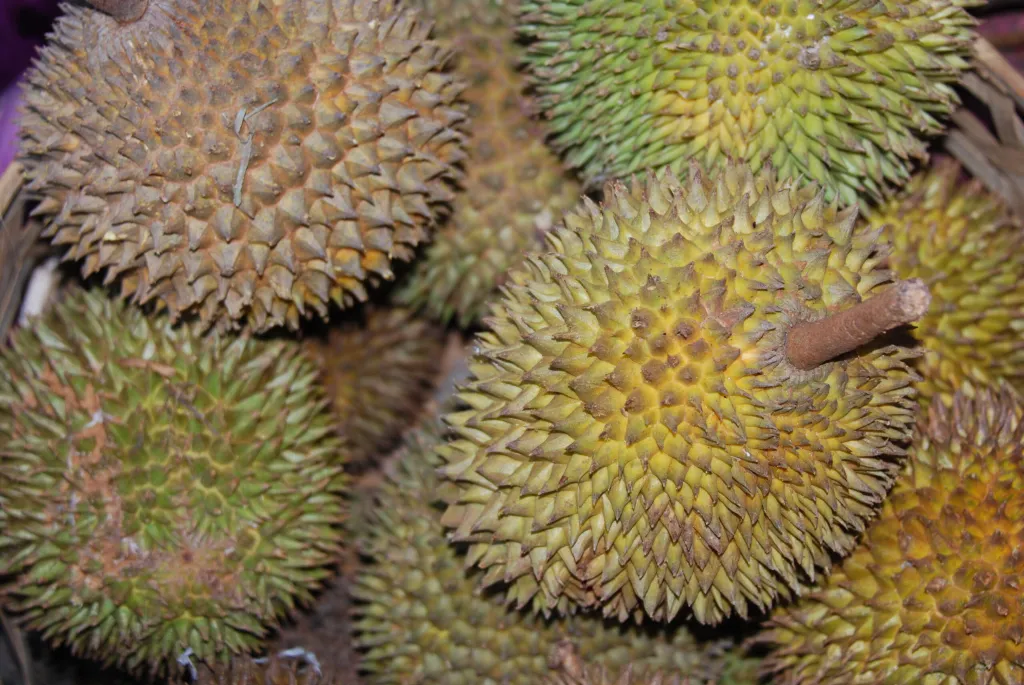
(23, 26)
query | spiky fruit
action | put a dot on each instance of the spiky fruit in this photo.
(161, 492)
(295, 667)
(252, 162)
(837, 92)
(932, 594)
(378, 370)
(961, 240)
(636, 437)
(515, 187)
(421, 619)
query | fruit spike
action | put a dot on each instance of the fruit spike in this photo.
(253, 163)
(164, 495)
(633, 437)
(813, 343)
(125, 11)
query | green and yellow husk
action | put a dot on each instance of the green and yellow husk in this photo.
(634, 438)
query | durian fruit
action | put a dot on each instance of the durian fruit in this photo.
(839, 93)
(933, 592)
(421, 619)
(164, 496)
(515, 189)
(642, 431)
(570, 669)
(252, 162)
(378, 371)
(294, 667)
(962, 241)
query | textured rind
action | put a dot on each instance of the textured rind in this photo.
(456, 20)
(933, 593)
(160, 490)
(963, 242)
(421, 618)
(621, 676)
(378, 370)
(837, 92)
(635, 438)
(273, 670)
(569, 668)
(134, 139)
(515, 188)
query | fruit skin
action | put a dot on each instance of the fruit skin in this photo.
(515, 188)
(963, 242)
(458, 22)
(129, 140)
(623, 676)
(635, 438)
(932, 594)
(160, 490)
(570, 669)
(378, 371)
(421, 618)
(273, 670)
(838, 93)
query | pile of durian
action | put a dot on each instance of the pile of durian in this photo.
(556, 342)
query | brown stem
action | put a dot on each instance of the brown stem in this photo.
(125, 11)
(815, 342)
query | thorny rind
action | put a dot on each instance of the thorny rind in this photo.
(161, 491)
(343, 177)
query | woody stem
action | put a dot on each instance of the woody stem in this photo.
(125, 11)
(812, 343)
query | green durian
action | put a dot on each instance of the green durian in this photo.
(636, 435)
(164, 496)
(841, 93)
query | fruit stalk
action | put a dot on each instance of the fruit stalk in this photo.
(125, 11)
(812, 343)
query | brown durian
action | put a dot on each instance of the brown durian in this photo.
(251, 162)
